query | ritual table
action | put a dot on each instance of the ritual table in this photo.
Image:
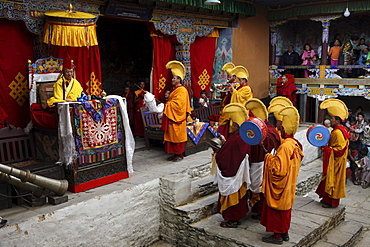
(197, 138)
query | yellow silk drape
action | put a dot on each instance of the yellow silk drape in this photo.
(73, 36)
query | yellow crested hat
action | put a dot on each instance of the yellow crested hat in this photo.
(240, 72)
(237, 112)
(290, 119)
(335, 108)
(281, 100)
(228, 68)
(275, 108)
(258, 108)
(177, 68)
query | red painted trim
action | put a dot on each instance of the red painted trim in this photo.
(98, 182)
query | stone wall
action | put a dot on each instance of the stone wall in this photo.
(123, 218)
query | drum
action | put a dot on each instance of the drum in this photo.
(253, 131)
(318, 135)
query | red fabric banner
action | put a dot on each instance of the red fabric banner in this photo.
(16, 47)
(202, 55)
(87, 65)
(164, 51)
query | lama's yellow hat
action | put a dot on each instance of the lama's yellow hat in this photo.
(258, 108)
(281, 100)
(237, 112)
(335, 107)
(275, 108)
(228, 68)
(290, 119)
(240, 72)
(177, 68)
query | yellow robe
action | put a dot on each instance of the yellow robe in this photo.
(72, 92)
(280, 175)
(335, 177)
(241, 95)
(177, 106)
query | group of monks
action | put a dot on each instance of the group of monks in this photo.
(264, 176)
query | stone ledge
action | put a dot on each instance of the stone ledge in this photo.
(345, 234)
(309, 177)
(309, 223)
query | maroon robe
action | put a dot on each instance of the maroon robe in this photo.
(287, 89)
(228, 160)
(130, 108)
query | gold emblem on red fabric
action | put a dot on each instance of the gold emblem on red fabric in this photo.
(161, 83)
(19, 89)
(94, 85)
(204, 79)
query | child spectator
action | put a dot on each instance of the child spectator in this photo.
(365, 138)
(328, 124)
(359, 128)
(362, 173)
(352, 127)
(316, 60)
(335, 52)
(307, 56)
(352, 157)
(165, 97)
(203, 100)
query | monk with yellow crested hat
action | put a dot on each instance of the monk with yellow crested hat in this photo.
(333, 183)
(280, 177)
(243, 93)
(224, 121)
(175, 112)
(232, 164)
(258, 109)
(66, 88)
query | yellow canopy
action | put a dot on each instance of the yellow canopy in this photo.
(70, 28)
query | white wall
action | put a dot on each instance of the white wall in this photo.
(122, 218)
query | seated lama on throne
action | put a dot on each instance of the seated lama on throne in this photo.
(66, 88)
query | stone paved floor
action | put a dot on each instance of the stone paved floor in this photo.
(151, 164)
(357, 209)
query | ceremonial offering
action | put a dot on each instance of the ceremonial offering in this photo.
(253, 131)
(318, 135)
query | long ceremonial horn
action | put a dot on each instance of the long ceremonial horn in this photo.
(34, 189)
(59, 187)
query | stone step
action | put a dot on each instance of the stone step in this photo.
(345, 234)
(199, 209)
(310, 222)
(309, 177)
(203, 186)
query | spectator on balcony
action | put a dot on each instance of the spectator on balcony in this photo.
(307, 56)
(334, 52)
(360, 47)
(316, 60)
(364, 57)
(290, 58)
(348, 53)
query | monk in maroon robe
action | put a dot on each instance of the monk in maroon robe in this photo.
(130, 105)
(232, 207)
(286, 87)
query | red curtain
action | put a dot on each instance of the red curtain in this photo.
(202, 54)
(87, 65)
(164, 51)
(16, 47)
